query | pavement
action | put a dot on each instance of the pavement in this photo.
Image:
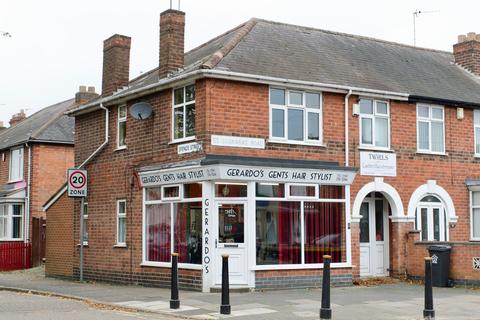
(395, 300)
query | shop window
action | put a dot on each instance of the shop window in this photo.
(231, 223)
(475, 215)
(122, 127)
(270, 190)
(16, 164)
(153, 194)
(331, 192)
(431, 219)
(278, 232)
(158, 221)
(121, 222)
(374, 123)
(430, 129)
(227, 190)
(171, 193)
(188, 232)
(11, 221)
(183, 112)
(296, 116)
(302, 191)
(192, 190)
(324, 231)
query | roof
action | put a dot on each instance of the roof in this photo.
(48, 125)
(283, 51)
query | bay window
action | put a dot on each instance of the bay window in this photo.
(295, 116)
(475, 215)
(11, 221)
(183, 117)
(174, 224)
(430, 129)
(374, 123)
(16, 164)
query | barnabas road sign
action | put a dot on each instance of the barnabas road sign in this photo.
(77, 183)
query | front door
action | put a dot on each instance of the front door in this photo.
(374, 245)
(231, 239)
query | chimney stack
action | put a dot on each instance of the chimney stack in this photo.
(17, 117)
(467, 52)
(85, 94)
(116, 63)
(2, 126)
(172, 42)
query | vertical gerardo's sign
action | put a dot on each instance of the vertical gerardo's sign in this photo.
(206, 236)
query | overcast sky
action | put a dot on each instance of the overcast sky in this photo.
(56, 45)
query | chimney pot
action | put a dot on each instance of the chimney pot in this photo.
(172, 42)
(17, 117)
(83, 95)
(91, 89)
(82, 89)
(471, 36)
(462, 38)
(116, 63)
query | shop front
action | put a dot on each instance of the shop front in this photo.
(270, 216)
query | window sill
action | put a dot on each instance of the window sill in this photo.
(85, 244)
(334, 265)
(10, 240)
(169, 265)
(121, 148)
(300, 143)
(432, 153)
(176, 141)
(14, 181)
(120, 246)
(366, 148)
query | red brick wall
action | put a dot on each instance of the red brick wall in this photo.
(60, 245)
(4, 166)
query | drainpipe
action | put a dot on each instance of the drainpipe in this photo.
(103, 144)
(349, 93)
(27, 202)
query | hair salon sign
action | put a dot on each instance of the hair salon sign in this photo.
(378, 164)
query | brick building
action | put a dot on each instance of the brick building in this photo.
(35, 152)
(278, 144)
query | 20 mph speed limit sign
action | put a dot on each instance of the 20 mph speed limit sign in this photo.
(77, 183)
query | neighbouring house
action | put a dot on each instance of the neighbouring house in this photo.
(278, 144)
(35, 153)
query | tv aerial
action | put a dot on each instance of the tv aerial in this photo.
(141, 110)
(415, 15)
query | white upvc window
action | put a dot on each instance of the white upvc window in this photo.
(431, 219)
(11, 221)
(183, 113)
(16, 164)
(295, 116)
(374, 123)
(121, 222)
(430, 129)
(476, 131)
(475, 215)
(122, 127)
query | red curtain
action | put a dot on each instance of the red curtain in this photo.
(158, 232)
(289, 238)
(181, 232)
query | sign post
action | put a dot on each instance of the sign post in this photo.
(77, 188)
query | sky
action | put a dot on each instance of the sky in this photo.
(56, 45)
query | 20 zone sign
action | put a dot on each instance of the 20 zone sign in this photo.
(77, 183)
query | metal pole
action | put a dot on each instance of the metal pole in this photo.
(428, 312)
(225, 307)
(174, 302)
(82, 205)
(414, 29)
(326, 311)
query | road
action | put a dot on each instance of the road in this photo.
(19, 306)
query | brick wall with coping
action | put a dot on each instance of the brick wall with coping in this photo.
(297, 279)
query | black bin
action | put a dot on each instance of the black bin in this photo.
(440, 255)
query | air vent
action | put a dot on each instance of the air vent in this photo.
(476, 263)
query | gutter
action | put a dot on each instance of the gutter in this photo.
(229, 75)
(453, 103)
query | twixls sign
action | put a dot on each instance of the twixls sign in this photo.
(77, 183)
(260, 174)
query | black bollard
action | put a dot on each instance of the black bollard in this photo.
(174, 302)
(428, 312)
(225, 307)
(326, 311)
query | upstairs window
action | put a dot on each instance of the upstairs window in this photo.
(122, 127)
(374, 123)
(476, 128)
(16, 164)
(295, 116)
(430, 129)
(183, 112)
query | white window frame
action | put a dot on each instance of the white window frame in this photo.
(180, 192)
(303, 108)
(293, 197)
(476, 125)
(85, 224)
(121, 215)
(429, 120)
(472, 238)
(373, 116)
(443, 223)
(184, 106)
(146, 202)
(9, 221)
(119, 121)
(11, 177)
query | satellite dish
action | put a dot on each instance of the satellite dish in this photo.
(141, 111)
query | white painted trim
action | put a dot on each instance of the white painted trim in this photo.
(169, 265)
(430, 120)
(432, 188)
(471, 207)
(389, 193)
(476, 114)
(373, 116)
(183, 105)
(117, 218)
(121, 120)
